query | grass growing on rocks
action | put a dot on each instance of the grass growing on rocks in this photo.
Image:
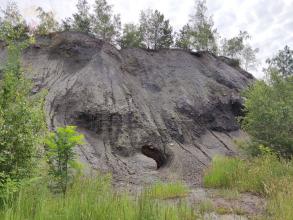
(266, 175)
(91, 198)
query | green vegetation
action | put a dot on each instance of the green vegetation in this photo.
(131, 37)
(264, 175)
(282, 63)
(255, 175)
(268, 170)
(205, 206)
(60, 154)
(155, 30)
(90, 198)
(21, 123)
(27, 194)
(47, 24)
(237, 48)
(167, 190)
(269, 114)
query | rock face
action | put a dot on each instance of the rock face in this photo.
(146, 115)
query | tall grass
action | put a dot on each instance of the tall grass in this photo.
(167, 190)
(266, 175)
(90, 198)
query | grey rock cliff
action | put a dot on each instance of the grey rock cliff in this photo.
(146, 115)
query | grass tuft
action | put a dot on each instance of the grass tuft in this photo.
(167, 190)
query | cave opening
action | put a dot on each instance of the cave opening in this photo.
(155, 154)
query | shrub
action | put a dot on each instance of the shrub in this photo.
(269, 113)
(60, 154)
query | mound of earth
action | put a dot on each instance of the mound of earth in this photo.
(146, 115)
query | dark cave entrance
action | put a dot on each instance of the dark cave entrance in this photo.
(155, 154)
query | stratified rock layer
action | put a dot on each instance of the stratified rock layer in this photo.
(146, 115)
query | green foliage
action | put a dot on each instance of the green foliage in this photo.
(60, 154)
(167, 190)
(47, 22)
(131, 37)
(156, 31)
(237, 48)
(282, 62)
(269, 108)
(21, 123)
(280, 204)
(66, 24)
(224, 172)
(202, 34)
(81, 19)
(266, 175)
(106, 25)
(234, 46)
(12, 24)
(183, 40)
(256, 175)
(248, 57)
(91, 198)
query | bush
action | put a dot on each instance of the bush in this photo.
(269, 113)
(21, 124)
(60, 154)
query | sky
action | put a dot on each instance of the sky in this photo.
(269, 22)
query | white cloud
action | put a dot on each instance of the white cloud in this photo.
(269, 22)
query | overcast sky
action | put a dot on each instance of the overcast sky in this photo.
(269, 22)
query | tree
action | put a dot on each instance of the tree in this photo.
(237, 48)
(282, 62)
(106, 26)
(66, 24)
(131, 37)
(269, 113)
(183, 38)
(12, 24)
(60, 153)
(248, 57)
(47, 22)
(156, 31)
(202, 34)
(234, 46)
(21, 121)
(82, 19)
(166, 39)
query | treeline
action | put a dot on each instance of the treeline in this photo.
(153, 31)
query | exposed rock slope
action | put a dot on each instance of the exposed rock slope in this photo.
(132, 105)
